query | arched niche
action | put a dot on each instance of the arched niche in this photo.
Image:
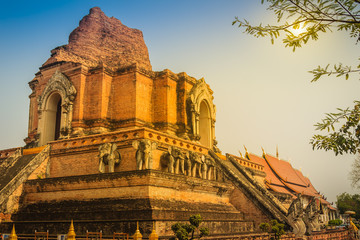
(55, 106)
(52, 118)
(205, 124)
(202, 113)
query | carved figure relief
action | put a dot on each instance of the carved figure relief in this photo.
(312, 214)
(59, 85)
(211, 170)
(176, 161)
(189, 163)
(204, 168)
(295, 217)
(143, 154)
(108, 155)
(197, 161)
(202, 113)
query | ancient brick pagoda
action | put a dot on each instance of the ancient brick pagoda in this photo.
(112, 142)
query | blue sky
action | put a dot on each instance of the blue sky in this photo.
(262, 92)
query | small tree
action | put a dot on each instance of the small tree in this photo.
(348, 202)
(185, 231)
(273, 227)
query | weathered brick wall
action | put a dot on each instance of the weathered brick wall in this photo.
(79, 156)
(122, 97)
(143, 98)
(246, 205)
(114, 100)
(127, 197)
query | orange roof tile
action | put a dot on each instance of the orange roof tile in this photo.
(310, 187)
(279, 189)
(284, 170)
(283, 178)
(272, 180)
(270, 176)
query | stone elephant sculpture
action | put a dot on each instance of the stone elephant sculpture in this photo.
(143, 154)
(197, 161)
(108, 155)
(176, 161)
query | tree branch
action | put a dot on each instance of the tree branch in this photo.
(346, 10)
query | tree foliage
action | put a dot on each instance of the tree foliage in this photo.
(347, 202)
(273, 227)
(343, 139)
(185, 231)
(355, 173)
(315, 17)
(335, 222)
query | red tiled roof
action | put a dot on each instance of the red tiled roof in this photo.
(284, 170)
(281, 177)
(279, 189)
(300, 189)
(310, 187)
(272, 180)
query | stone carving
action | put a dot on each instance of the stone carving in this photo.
(197, 161)
(312, 214)
(199, 93)
(204, 167)
(143, 154)
(9, 196)
(211, 169)
(167, 161)
(176, 161)
(215, 147)
(60, 84)
(189, 163)
(295, 217)
(108, 155)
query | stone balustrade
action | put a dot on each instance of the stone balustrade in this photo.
(126, 135)
(247, 163)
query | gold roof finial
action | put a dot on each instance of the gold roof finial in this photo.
(246, 153)
(13, 235)
(277, 151)
(240, 153)
(137, 235)
(153, 235)
(71, 234)
(263, 152)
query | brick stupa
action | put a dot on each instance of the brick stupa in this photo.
(112, 143)
(102, 40)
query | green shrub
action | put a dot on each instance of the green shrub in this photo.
(185, 231)
(335, 222)
(273, 227)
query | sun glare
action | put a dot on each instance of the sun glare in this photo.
(297, 31)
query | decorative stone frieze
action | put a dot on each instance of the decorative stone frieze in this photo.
(61, 85)
(202, 111)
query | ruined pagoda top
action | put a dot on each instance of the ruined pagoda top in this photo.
(102, 40)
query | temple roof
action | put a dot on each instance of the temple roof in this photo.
(100, 40)
(271, 178)
(281, 177)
